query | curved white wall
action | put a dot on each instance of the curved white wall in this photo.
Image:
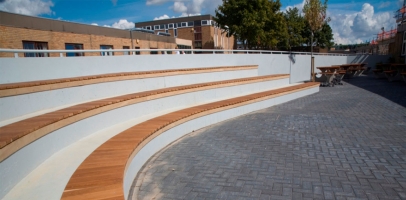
(18, 165)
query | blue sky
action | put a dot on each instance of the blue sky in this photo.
(352, 21)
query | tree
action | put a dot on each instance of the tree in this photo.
(315, 14)
(322, 38)
(295, 25)
(259, 23)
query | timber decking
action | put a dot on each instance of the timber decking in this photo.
(101, 175)
(16, 135)
(12, 89)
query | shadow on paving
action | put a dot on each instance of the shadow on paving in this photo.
(393, 91)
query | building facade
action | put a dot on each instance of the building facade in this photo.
(27, 32)
(202, 30)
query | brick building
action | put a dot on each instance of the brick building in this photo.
(27, 32)
(202, 30)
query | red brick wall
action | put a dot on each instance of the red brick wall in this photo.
(11, 38)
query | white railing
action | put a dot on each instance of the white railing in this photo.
(107, 52)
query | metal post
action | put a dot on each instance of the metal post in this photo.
(312, 60)
(131, 35)
(15, 55)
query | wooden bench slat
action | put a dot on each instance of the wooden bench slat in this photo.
(147, 129)
(45, 123)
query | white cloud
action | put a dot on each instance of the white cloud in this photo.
(162, 17)
(114, 2)
(299, 6)
(179, 7)
(384, 4)
(194, 7)
(123, 24)
(94, 24)
(155, 2)
(28, 7)
(355, 27)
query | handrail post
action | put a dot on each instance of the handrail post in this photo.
(60, 54)
(15, 55)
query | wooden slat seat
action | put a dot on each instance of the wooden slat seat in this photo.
(36, 127)
(44, 85)
(101, 174)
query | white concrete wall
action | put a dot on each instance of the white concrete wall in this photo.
(31, 69)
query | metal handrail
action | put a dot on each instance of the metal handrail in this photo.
(214, 51)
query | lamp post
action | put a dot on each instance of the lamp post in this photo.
(131, 36)
(228, 30)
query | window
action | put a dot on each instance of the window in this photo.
(198, 36)
(184, 24)
(205, 22)
(74, 47)
(156, 27)
(35, 45)
(198, 33)
(137, 52)
(197, 23)
(175, 31)
(126, 52)
(148, 27)
(170, 26)
(153, 52)
(166, 31)
(404, 44)
(190, 24)
(198, 45)
(162, 26)
(106, 53)
(178, 25)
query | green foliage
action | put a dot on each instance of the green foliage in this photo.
(258, 22)
(295, 25)
(315, 14)
(322, 38)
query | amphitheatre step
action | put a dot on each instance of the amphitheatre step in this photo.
(30, 99)
(101, 175)
(16, 135)
(12, 89)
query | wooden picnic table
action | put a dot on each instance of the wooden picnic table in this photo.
(394, 71)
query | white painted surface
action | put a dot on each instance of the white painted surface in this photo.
(15, 107)
(20, 164)
(30, 69)
(177, 132)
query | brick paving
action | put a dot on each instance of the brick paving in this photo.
(345, 142)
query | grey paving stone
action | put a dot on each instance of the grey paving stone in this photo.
(345, 142)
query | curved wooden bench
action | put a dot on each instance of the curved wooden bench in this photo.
(44, 85)
(15, 136)
(101, 175)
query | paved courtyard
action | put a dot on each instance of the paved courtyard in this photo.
(345, 142)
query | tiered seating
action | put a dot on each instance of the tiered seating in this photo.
(29, 98)
(101, 175)
(66, 114)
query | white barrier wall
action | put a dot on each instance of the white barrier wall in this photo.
(30, 69)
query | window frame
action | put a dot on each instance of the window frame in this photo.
(36, 45)
(102, 53)
(74, 54)
(155, 27)
(171, 24)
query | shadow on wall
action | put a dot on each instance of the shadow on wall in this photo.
(370, 59)
(393, 91)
